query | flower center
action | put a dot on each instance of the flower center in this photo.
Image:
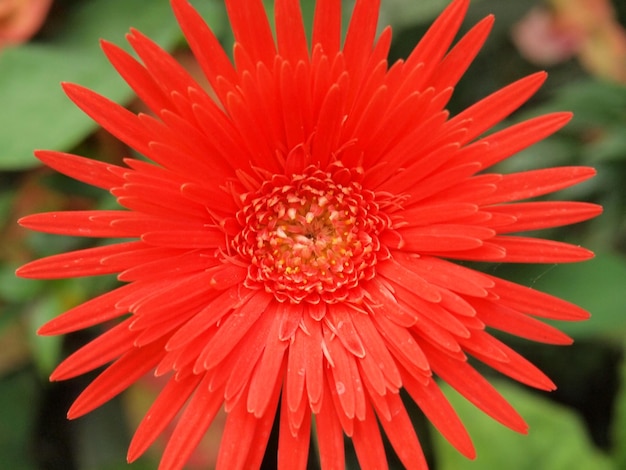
(310, 237)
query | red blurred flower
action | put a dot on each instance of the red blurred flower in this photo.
(296, 238)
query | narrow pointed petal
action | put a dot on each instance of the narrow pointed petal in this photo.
(437, 408)
(360, 36)
(293, 449)
(117, 378)
(368, 443)
(169, 402)
(329, 435)
(456, 62)
(402, 435)
(290, 34)
(511, 321)
(123, 124)
(540, 215)
(493, 109)
(439, 36)
(205, 46)
(476, 389)
(195, 420)
(251, 28)
(87, 262)
(531, 250)
(527, 300)
(105, 348)
(327, 26)
(92, 172)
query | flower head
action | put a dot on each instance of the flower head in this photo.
(293, 239)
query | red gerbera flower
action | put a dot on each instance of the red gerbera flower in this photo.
(295, 237)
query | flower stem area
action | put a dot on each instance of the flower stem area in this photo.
(312, 242)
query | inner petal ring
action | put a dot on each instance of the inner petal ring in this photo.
(310, 237)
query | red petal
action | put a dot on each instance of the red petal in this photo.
(497, 106)
(527, 300)
(205, 46)
(402, 276)
(445, 237)
(290, 34)
(249, 24)
(117, 377)
(368, 443)
(262, 431)
(401, 343)
(120, 122)
(87, 262)
(186, 239)
(92, 172)
(520, 369)
(164, 409)
(498, 316)
(449, 275)
(293, 449)
(539, 215)
(377, 349)
(268, 370)
(531, 250)
(341, 382)
(456, 62)
(79, 223)
(314, 363)
(192, 425)
(245, 437)
(243, 360)
(105, 348)
(435, 43)
(438, 410)
(513, 139)
(360, 36)
(92, 312)
(524, 185)
(327, 26)
(402, 435)
(163, 68)
(215, 309)
(329, 435)
(475, 388)
(136, 75)
(340, 322)
(232, 329)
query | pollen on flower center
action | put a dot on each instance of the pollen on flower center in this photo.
(310, 237)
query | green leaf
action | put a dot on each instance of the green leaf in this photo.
(17, 405)
(619, 422)
(407, 13)
(36, 113)
(46, 350)
(611, 146)
(556, 439)
(593, 102)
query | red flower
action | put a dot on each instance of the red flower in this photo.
(293, 238)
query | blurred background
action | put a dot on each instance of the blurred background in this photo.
(581, 43)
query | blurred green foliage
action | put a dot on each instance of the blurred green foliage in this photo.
(585, 430)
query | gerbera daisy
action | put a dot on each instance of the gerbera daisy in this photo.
(294, 238)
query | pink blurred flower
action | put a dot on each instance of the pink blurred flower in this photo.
(21, 19)
(586, 29)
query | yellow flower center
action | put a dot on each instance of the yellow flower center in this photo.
(310, 237)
